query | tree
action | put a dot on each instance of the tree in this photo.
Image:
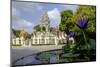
(66, 21)
(29, 36)
(39, 28)
(16, 32)
(69, 19)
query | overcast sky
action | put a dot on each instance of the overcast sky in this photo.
(25, 15)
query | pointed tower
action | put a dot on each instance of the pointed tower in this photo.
(45, 21)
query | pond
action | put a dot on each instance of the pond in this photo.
(49, 57)
(39, 58)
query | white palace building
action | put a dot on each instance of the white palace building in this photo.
(41, 37)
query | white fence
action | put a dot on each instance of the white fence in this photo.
(18, 41)
(44, 40)
(38, 41)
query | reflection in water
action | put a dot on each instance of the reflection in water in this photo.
(41, 58)
(28, 60)
(55, 56)
(49, 57)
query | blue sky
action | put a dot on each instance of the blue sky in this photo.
(25, 15)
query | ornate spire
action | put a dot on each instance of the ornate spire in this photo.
(45, 20)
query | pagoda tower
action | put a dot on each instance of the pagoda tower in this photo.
(45, 21)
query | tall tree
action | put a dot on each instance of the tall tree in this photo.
(39, 28)
(69, 18)
(16, 32)
(66, 21)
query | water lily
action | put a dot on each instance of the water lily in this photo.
(82, 23)
(71, 34)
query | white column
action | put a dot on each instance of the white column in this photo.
(13, 41)
(24, 43)
(17, 41)
(55, 40)
(71, 39)
(37, 40)
(45, 40)
(33, 39)
(22, 40)
(40, 39)
(30, 43)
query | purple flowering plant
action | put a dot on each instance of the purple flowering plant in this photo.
(83, 24)
(71, 34)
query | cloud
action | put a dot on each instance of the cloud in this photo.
(54, 16)
(27, 7)
(19, 23)
(25, 15)
(23, 24)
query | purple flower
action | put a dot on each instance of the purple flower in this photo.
(82, 23)
(71, 34)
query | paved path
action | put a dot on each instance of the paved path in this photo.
(18, 52)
